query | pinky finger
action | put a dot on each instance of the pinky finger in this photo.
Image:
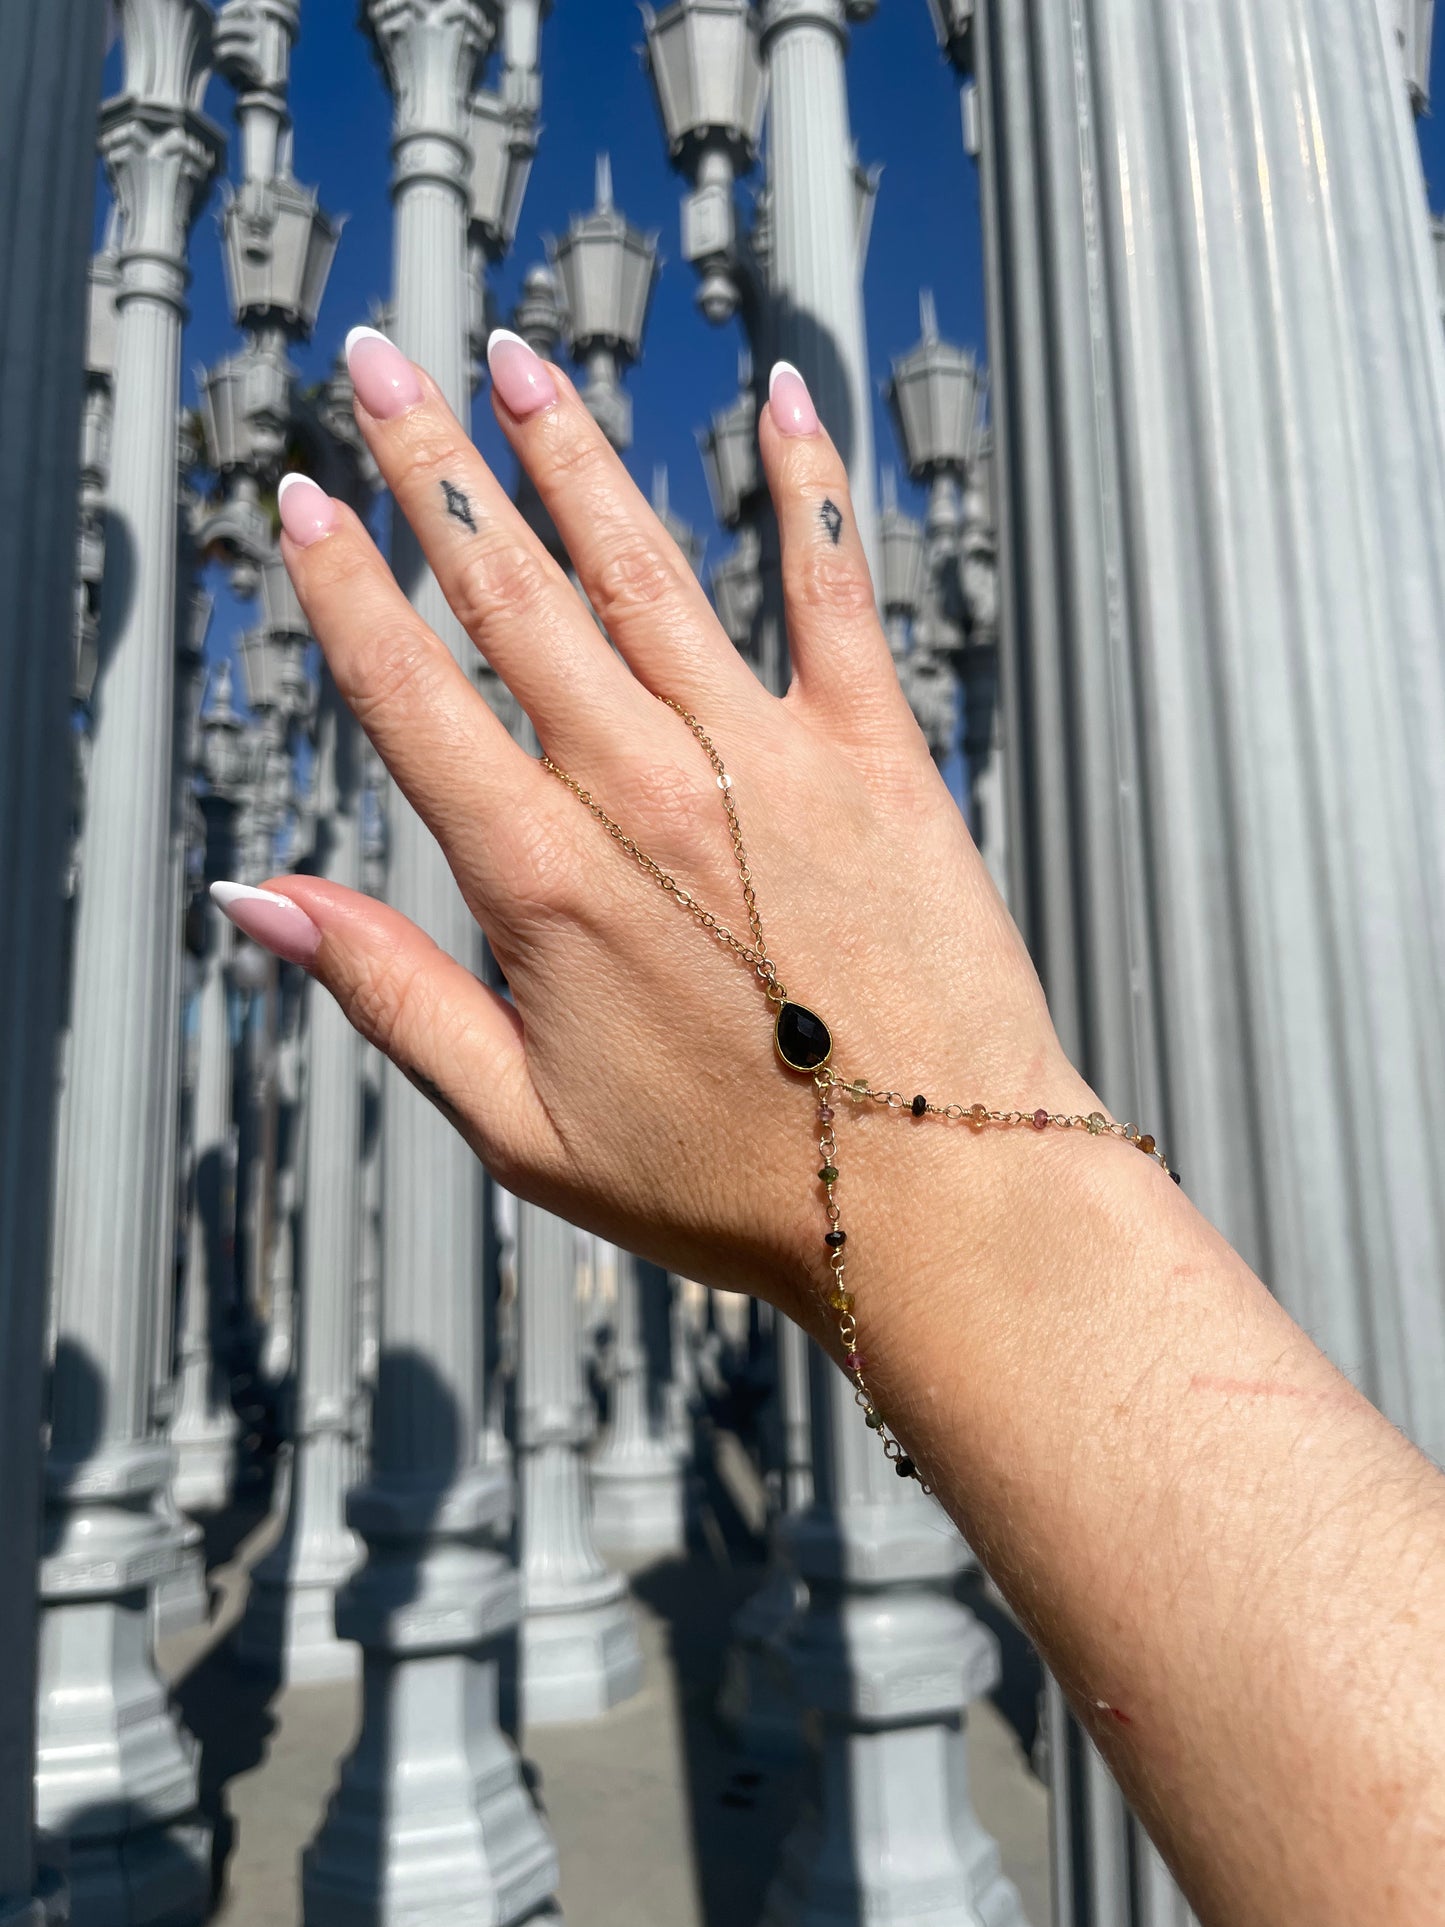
(454, 1039)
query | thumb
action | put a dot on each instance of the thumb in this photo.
(460, 1043)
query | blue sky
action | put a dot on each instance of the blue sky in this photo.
(596, 97)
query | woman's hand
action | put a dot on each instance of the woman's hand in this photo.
(631, 1084)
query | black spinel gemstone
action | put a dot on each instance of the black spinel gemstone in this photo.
(920, 1105)
(1176, 1177)
(904, 1467)
(836, 1238)
(802, 1039)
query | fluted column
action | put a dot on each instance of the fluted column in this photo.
(116, 1775)
(431, 1812)
(48, 90)
(579, 1650)
(289, 1629)
(203, 1429)
(638, 1495)
(884, 1658)
(886, 1661)
(757, 1701)
(1220, 405)
(814, 229)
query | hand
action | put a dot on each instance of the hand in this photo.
(631, 1083)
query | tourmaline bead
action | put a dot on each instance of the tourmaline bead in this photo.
(825, 1113)
(1146, 1145)
(979, 1114)
(904, 1467)
(873, 1419)
(855, 1361)
(1097, 1122)
(920, 1105)
(841, 1300)
(836, 1238)
(1176, 1177)
(829, 1174)
(1041, 1120)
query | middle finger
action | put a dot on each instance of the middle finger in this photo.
(507, 592)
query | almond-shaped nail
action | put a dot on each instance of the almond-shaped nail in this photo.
(307, 512)
(386, 383)
(791, 404)
(519, 375)
(270, 919)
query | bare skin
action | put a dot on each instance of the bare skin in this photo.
(1235, 1566)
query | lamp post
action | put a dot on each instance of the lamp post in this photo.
(1414, 24)
(605, 269)
(52, 78)
(1223, 726)
(710, 85)
(116, 1775)
(203, 1426)
(905, 568)
(431, 1812)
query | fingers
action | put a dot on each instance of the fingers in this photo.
(511, 597)
(458, 1042)
(451, 756)
(840, 655)
(637, 580)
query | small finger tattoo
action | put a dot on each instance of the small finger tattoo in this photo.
(461, 508)
(433, 1094)
(831, 516)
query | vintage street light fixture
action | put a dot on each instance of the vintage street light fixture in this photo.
(605, 272)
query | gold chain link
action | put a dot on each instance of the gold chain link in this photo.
(754, 955)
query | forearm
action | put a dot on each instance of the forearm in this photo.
(1234, 1565)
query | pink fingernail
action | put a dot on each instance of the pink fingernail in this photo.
(307, 512)
(270, 919)
(792, 405)
(520, 377)
(386, 383)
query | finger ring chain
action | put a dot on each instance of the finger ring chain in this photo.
(804, 1044)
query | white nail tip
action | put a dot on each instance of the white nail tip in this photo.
(505, 334)
(286, 482)
(365, 334)
(223, 895)
(782, 368)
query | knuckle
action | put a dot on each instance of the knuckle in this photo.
(831, 581)
(424, 447)
(673, 803)
(401, 672)
(630, 577)
(500, 575)
(574, 453)
(382, 1003)
(537, 870)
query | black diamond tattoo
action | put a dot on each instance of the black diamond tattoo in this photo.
(831, 517)
(461, 508)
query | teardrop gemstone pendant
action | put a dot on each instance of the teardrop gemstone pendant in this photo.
(801, 1038)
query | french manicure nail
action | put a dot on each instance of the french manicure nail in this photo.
(307, 512)
(790, 402)
(519, 375)
(268, 918)
(386, 383)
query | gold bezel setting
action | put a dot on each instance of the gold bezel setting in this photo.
(803, 1070)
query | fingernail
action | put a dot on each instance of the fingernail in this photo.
(271, 920)
(520, 376)
(386, 384)
(788, 398)
(307, 512)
